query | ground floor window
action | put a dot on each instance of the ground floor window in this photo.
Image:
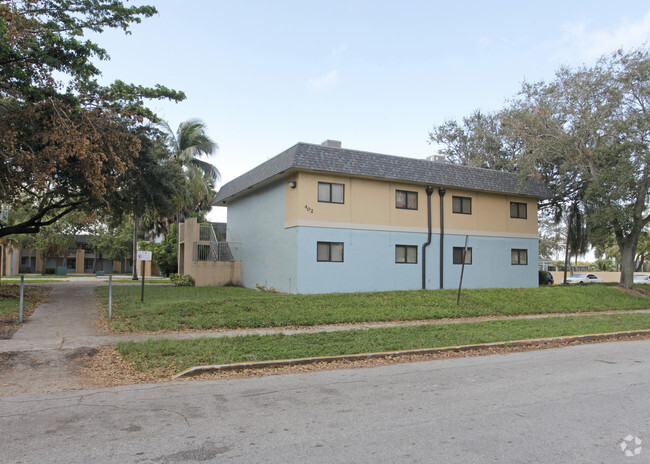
(518, 257)
(330, 252)
(71, 263)
(406, 254)
(458, 255)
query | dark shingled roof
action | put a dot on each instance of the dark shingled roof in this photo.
(304, 156)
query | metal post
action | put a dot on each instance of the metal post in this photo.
(462, 270)
(142, 271)
(22, 297)
(110, 297)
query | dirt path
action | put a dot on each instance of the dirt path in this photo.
(33, 372)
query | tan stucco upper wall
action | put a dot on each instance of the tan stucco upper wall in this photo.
(490, 212)
(369, 202)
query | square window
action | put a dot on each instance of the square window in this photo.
(406, 254)
(518, 257)
(458, 255)
(329, 252)
(462, 205)
(518, 210)
(330, 193)
(406, 200)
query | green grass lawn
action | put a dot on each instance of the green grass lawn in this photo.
(204, 308)
(171, 356)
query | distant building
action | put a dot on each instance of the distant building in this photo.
(83, 260)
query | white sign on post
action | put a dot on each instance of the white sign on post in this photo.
(144, 255)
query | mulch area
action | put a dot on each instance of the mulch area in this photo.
(104, 367)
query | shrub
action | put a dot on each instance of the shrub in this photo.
(182, 280)
(265, 288)
(50, 270)
(543, 277)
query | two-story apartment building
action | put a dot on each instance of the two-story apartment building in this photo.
(320, 219)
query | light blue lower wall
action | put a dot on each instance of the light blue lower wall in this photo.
(369, 262)
(491, 266)
(268, 250)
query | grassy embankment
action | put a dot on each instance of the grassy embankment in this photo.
(178, 309)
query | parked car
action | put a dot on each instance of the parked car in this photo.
(583, 279)
(642, 279)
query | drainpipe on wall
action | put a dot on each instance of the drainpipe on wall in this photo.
(429, 191)
(441, 192)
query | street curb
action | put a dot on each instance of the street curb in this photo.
(197, 370)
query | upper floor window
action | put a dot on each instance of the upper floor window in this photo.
(458, 255)
(518, 257)
(462, 205)
(406, 200)
(330, 193)
(406, 254)
(518, 210)
(329, 252)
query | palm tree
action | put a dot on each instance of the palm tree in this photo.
(577, 240)
(187, 145)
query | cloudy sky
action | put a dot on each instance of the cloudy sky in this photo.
(376, 75)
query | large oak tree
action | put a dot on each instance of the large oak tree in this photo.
(586, 133)
(65, 140)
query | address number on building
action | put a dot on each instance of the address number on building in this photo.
(144, 256)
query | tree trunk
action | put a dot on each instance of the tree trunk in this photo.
(567, 258)
(178, 239)
(136, 221)
(639, 264)
(628, 251)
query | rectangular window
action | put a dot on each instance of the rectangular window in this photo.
(330, 193)
(406, 200)
(329, 252)
(458, 255)
(518, 257)
(406, 254)
(518, 210)
(462, 205)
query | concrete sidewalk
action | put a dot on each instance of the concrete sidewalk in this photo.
(66, 315)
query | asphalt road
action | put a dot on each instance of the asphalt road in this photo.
(569, 405)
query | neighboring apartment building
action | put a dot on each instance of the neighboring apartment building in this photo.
(82, 260)
(320, 219)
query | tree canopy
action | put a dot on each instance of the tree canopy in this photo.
(66, 139)
(586, 134)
